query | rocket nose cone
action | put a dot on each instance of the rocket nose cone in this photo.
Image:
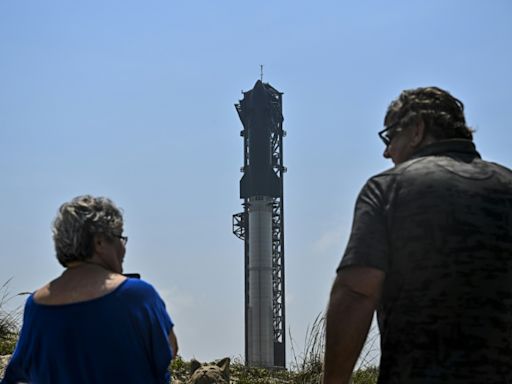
(259, 89)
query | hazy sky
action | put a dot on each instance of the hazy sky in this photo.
(134, 100)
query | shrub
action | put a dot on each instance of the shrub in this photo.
(9, 323)
(367, 375)
(308, 366)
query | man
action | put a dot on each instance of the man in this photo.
(431, 251)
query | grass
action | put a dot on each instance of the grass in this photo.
(366, 375)
(9, 322)
(308, 365)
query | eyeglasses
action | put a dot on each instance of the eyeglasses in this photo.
(124, 239)
(388, 133)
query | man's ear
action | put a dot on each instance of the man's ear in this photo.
(418, 133)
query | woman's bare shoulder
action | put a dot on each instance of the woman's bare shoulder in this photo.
(74, 289)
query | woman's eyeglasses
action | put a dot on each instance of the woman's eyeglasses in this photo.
(124, 239)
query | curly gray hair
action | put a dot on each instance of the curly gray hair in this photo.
(78, 221)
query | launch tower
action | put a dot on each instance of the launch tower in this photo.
(261, 225)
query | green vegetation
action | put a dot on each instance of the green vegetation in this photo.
(366, 375)
(240, 374)
(308, 364)
(9, 323)
(306, 367)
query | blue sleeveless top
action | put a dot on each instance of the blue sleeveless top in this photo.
(121, 337)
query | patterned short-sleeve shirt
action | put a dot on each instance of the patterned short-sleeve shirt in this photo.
(440, 227)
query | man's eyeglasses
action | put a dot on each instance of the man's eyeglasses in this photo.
(124, 239)
(387, 134)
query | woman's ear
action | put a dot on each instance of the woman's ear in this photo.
(98, 243)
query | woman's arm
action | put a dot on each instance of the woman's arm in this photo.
(173, 341)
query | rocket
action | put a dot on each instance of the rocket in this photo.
(260, 187)
(259, 113)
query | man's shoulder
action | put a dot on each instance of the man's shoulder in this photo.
(501, 168)
(439, 164)
(390, 176)
(399, 169)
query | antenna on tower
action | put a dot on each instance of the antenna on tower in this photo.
(261, 72)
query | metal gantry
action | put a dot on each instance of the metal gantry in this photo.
(241, 223)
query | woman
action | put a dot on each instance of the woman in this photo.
(92, 324)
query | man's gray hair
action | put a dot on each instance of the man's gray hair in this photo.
(442, 114)
(78, 221)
